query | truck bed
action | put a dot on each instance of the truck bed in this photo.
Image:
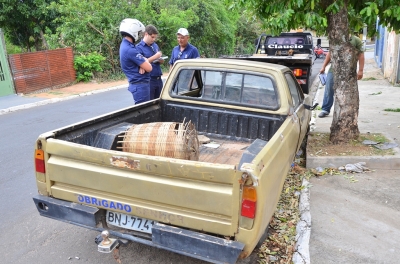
(228, 151)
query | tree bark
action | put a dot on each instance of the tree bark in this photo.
(344, 58)
(44, 42)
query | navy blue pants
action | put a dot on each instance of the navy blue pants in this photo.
(155, 88)
(140, 92)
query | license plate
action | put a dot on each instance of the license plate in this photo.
(130, 222)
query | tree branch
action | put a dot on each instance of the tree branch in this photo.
(92, 26)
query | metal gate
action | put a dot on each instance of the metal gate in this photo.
(6, 82)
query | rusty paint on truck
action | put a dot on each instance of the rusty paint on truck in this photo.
(125, 162)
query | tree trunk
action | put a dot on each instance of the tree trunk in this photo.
(344, 58)
(44, 42)
(38, 43)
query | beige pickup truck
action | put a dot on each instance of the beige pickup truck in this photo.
(214, 205)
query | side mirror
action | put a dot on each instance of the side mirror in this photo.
(308, 107)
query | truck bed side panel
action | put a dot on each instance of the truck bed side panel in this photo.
(232, 123)
(85, 132)
(270, 166)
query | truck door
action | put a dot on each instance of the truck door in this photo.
(298, 103)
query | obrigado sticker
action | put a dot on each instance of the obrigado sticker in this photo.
(104, 203)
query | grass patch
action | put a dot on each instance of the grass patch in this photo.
(320, 145)
(110, 77)
(56, 93)
(376, 93)
(369, 79)
(392, 110)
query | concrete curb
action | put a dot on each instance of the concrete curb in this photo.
(303, 228)
(372, 162)
(55, 100)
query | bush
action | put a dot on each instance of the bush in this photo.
(87, 65)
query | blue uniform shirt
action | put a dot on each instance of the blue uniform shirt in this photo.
(149, 51)
(190, 52)
(131, 59)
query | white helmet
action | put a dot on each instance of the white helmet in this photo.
(131, 27)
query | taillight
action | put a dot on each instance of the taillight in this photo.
(249, 202)
(39, 161)
(298, 72)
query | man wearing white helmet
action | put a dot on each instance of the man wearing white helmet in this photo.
(184, 50)
(136, 67)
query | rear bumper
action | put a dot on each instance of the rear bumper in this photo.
(178, 240)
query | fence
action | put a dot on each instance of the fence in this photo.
(43, 69)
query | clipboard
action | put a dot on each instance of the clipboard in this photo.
(163, 58)
(322, 78)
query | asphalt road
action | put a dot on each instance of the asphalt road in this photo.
(25, 236)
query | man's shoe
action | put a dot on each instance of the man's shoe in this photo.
(323, 114)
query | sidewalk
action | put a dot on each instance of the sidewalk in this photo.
(376, 94)
(15, 102)
(355, 216)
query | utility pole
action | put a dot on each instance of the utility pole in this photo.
(364, 36)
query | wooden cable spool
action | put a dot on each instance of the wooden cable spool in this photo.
(165, 139)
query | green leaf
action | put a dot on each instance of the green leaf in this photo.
(369, 11)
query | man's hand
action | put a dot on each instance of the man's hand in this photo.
(156, 57)
(360, 74)
(141, 70)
